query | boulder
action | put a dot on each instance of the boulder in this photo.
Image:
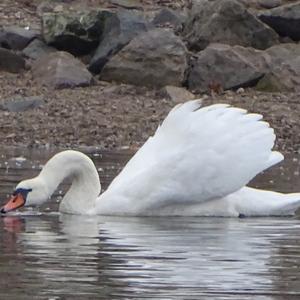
(120, 29)
(11, 62)
(16, 38)
(227, 22)
(155, 58)
(37, 49)
(283, 72)
(260, 59)
(282, 78)
(222, 67)
(60, 70)
(22, 104)
(285, 20)
(282, 53)
(78, 33)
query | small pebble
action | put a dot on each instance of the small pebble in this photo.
(240, 90)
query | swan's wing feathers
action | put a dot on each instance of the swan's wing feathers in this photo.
(198, 154)
(171, 129)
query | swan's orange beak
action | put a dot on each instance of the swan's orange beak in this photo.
(13, 203)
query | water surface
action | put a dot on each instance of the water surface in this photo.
(47, 255)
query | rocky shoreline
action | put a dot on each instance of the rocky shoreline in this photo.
(113, 92)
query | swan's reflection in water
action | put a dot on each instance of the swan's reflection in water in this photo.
(72, 257)
(52, 256)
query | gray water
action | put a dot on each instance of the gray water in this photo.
(47, 255)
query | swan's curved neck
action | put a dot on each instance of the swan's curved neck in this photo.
(85, 188)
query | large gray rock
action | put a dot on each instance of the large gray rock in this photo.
(225, 67)
(285, 20)
(11, 62)
(37, 49)
(119, 30)
(60, 70)
(283, 71)
(77, 32)
(16, 38)
(227, 22)
(155, 58)
(282, 53)
(282, 78)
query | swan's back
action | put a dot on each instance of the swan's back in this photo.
(197, 154)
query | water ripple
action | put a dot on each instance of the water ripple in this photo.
(47, 255)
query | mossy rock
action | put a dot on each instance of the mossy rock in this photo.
(269, 83)
(78, 33)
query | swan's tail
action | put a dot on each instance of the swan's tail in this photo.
(292, 203)
(266, 203)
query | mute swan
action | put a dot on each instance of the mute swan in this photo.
(196, 164)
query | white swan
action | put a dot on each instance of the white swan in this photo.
(196, 164)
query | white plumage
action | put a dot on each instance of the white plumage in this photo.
(197, 163)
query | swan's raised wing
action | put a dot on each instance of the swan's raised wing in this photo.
(198, 154)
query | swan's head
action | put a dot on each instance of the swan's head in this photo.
(31, 192)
